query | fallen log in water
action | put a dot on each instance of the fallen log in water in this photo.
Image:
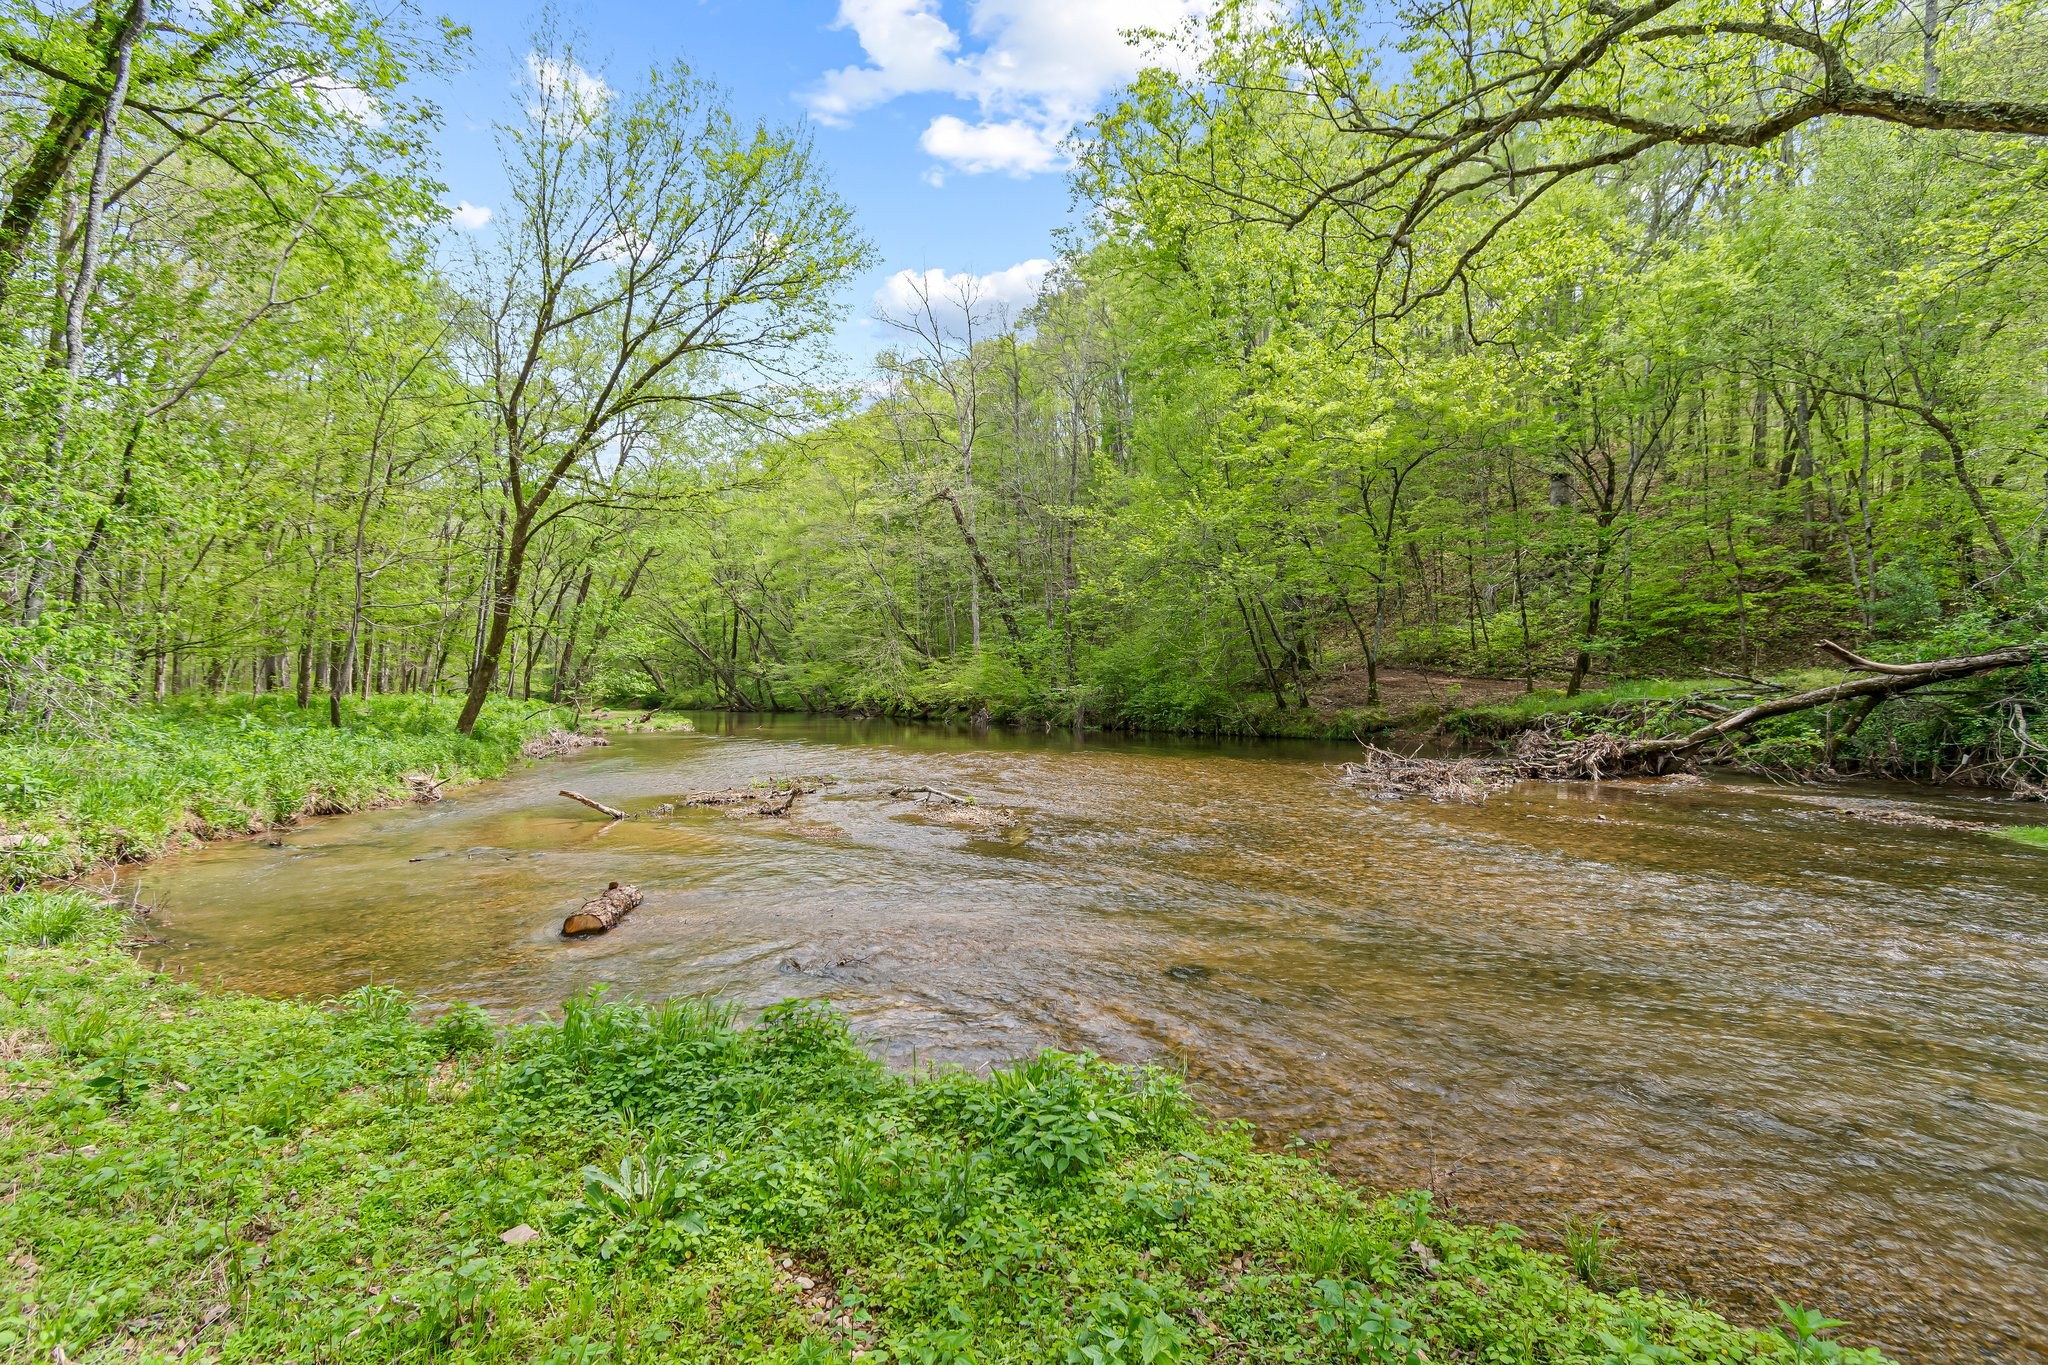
(600, 807)
(1543, 756)
(1889, 681)
(599, 915)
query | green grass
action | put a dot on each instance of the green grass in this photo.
(209, 1176)
(200, 768)
(2033, 836)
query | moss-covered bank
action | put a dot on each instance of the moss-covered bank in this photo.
(217, 1177)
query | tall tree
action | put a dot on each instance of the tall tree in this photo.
(660, 257)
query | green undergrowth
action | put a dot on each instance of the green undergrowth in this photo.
(1499, 720)
(211, 1176)
(203, 767)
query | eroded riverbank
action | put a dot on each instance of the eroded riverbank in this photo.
(1786, 1053)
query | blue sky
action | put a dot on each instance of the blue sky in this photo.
(940, 119)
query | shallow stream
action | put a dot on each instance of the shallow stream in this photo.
(1786, 1049)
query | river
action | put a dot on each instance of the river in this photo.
(1786, 1050)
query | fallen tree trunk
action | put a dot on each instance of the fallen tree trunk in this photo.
(600, 807)
(1888, 681)
(599, 915)
(1544, 756)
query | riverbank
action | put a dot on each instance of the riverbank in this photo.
(141, 781)
(1972, 731)
(212, 1175)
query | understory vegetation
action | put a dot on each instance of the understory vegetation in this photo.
(1677, 345)
(214, 1176)
(133, 782)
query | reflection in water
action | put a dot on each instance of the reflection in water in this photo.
(1786, 1052)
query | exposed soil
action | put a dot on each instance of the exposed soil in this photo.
(1411, 689)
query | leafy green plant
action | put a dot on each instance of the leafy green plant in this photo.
(646, 1197)
(1364, 1327)
(1054, 1115)
(1809, 1331)
(1332, 1244)
(1128, 1328)
(462, 1030)
(78, 1034)
(1634, 1348)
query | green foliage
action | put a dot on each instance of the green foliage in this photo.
(1128, 1329)
(321, 1177)
(201, 767)
(1592, 1253)
(1362, 1327)
(45, 919)
(1053, 1115)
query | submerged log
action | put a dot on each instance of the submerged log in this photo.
(599, 915)
(613, 811)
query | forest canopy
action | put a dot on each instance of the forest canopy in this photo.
(1527, 338)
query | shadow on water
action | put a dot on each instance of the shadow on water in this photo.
(1787, 1052)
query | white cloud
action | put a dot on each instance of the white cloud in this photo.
(1012, 146)
(468, 217)
(1039, 68)
(344, 98)
(955, 298)
(565, 90)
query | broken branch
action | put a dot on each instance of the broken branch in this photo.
(600, 807)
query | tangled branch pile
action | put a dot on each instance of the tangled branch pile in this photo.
(1537, 755)
(1395, 777)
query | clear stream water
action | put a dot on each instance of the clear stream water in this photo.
(1785, 1051)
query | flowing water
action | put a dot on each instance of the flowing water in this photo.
(1784, 1050)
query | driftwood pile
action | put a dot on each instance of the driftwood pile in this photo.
(601, 913)
(555, 743)
(424, 787)
(780, 790)
(1396, 777)
(775, 799)
(941, 807)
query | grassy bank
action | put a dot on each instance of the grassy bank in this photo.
(198, 768)
(213, 1176)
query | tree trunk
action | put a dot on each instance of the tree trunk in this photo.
(505, 592)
